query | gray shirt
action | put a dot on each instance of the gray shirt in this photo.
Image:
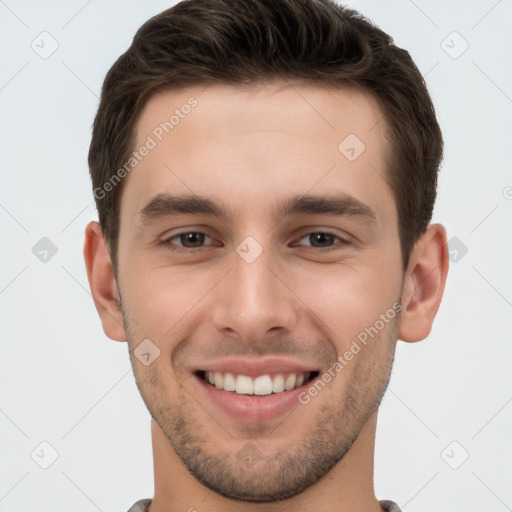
(141, 505)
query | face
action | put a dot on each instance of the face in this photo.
(259, 254)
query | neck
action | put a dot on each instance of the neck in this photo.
(347, 487)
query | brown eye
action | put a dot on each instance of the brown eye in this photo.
(322, 239)
(192, 239)
(188, 239)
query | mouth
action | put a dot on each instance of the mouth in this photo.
(261, 385)
(249, 392)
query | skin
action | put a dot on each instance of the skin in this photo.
(251, 149)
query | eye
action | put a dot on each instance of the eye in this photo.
(187, 240)
(323, 239)
(197, 239)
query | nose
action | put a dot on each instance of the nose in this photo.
(252, 301)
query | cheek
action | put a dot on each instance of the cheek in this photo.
(161, 297)
(347, 299)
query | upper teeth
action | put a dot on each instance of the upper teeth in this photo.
(262, 385)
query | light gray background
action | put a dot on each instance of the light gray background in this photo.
(64, 382)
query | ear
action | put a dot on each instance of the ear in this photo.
(424, 284)
(102, 282)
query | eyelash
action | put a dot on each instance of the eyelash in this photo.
(175, 248)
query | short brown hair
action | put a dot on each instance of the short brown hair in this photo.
(241, 42)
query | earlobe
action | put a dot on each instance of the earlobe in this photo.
(424, 284)
(100, 274)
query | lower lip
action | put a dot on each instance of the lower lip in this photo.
(253, 408)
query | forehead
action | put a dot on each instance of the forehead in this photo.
(254, 143)
(295, 108)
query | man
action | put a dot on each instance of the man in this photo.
(265, 173)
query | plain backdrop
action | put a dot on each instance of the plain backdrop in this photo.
(68, 399)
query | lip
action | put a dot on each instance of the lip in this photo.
(253, 367)
(251, 408)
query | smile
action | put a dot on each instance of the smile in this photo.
(261, 385)
(251, 390)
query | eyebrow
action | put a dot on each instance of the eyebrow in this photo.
(165, 205)
(338, 205)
